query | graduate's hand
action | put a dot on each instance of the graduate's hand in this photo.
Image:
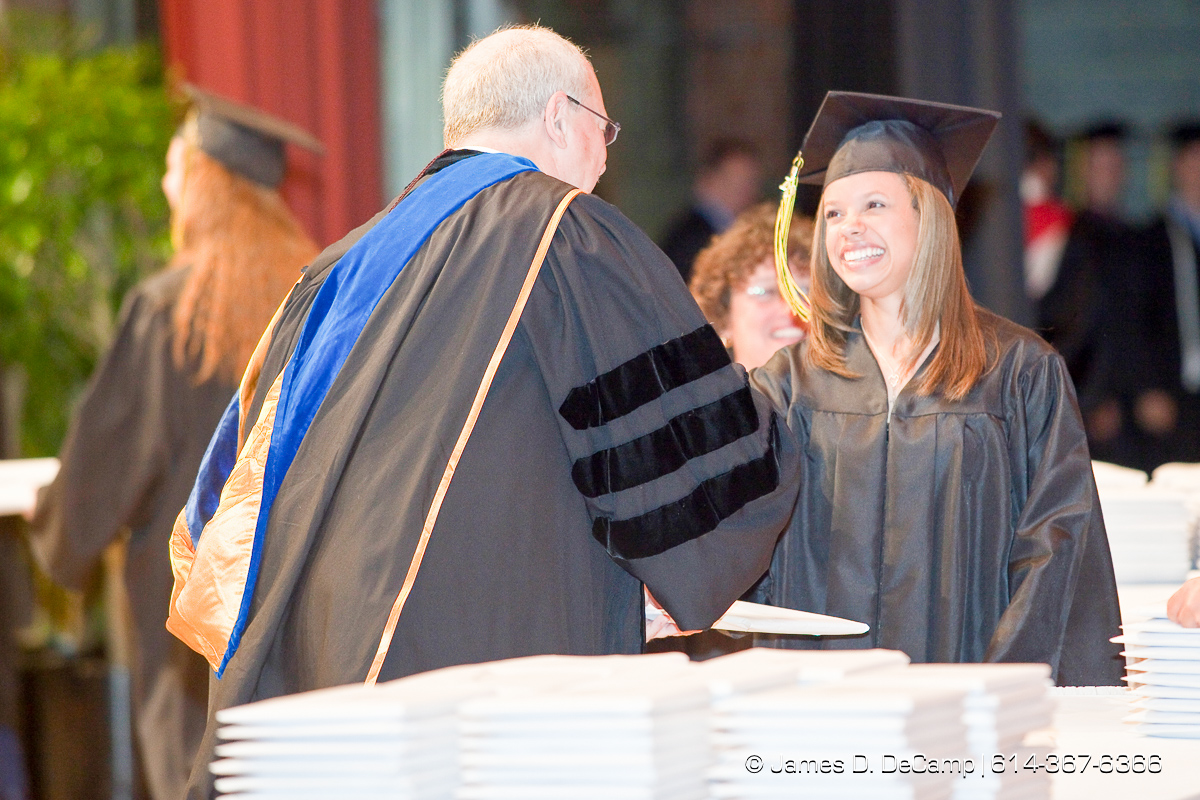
(660, 625)
(1184, 605)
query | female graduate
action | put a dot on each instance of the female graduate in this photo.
(946, 496)
(137, 437)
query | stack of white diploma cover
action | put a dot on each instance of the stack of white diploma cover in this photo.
(926, 731)
(1164, 676)
(760, 723)
(1183, 478)
(1150, 525)
(559, 728)
(1002, 705)
(398, 740)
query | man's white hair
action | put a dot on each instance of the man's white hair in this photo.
(506, 79)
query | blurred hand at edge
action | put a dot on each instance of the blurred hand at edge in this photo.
(1184, 605)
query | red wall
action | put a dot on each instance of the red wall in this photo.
(313, 62)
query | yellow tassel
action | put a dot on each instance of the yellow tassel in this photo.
(795, 297)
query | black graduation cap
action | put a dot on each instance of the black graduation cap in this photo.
(244, 139)
(1113, 129)
(936, 142)
(1185, 132)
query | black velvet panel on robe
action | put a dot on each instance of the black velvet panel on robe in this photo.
(512, 567)
(959, 531)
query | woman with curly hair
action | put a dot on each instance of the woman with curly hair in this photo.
(733, 280)
(137, 437)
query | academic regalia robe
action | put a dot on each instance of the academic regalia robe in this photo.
(685, 238)
(15, 593)
(1166, 257)
(15, 596)
(129, 461)
(618, 444)
(1094, 316)
(959, 531)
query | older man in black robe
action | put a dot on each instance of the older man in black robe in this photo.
(617, 443)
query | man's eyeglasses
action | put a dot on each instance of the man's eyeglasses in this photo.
(611, 126)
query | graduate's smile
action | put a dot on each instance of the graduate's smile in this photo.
(870, 232)
(856, 255)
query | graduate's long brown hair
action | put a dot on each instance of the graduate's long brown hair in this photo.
(245, 250)
(936, 299)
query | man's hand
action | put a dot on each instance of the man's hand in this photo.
(1184, 605)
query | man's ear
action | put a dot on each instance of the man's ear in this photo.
(555, 118)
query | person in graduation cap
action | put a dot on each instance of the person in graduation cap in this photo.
(946, 496)
(478, 425)
(1101, 312)
(137, 437)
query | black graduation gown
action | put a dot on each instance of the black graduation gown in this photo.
(14, 613)
(1161, 356)
(1096, 315)
(618, 444)
(960, 532)
(685, 238)
(15, 591)
(129, 461)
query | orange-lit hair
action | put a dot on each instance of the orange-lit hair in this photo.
(728, 262)
(245, 250)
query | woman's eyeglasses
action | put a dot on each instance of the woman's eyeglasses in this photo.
(611, 127)
(763, 294)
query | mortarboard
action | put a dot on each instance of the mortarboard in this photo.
(936, 142)
(244, 139)
(1039, 142)
(1112, 129)
(855, 132)
(1185, 133)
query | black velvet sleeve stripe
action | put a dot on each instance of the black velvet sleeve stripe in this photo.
(661, 452)
(644, 378)
(691, 517)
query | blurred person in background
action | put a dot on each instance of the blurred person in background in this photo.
(1170, 401)
(136, 440)
(735, 284)
(729, 182)
(1092, 312)
(1047, 218)
(15, 593)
